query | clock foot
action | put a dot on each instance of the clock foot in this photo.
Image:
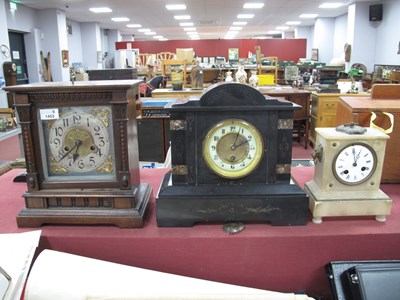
(380, 218)
(317, 220)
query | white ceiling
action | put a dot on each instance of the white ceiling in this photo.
(212, 18)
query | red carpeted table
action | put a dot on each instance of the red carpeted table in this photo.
(284, 259)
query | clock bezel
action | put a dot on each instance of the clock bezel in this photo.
(371, 173)
(69, 174)
(238, 173)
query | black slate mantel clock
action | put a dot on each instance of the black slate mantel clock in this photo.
(231, 160)
(81, 153)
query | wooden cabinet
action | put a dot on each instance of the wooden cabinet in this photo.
(323, 111)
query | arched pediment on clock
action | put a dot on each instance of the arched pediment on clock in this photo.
(232, 94)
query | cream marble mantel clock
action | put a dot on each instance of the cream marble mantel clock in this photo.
(348, 168)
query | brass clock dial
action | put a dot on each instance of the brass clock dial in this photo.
(354, 164)
(79, 142)
(233, 148)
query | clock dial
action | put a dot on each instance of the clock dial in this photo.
(354, 164)
(233, 148)
(80, 142)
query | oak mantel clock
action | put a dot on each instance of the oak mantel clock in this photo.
(348, 169)
(231, 158)
(81, 153)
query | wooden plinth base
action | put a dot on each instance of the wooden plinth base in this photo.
(86, 209)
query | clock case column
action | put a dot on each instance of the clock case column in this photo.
(122, 202)
(192, 193)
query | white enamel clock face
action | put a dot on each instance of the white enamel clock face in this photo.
(233, 148)
(80, 142)
(354, 164)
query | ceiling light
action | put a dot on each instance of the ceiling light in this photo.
(293, 22)
(245, 16)
(150, 33)
(331, 5)
(158, 37)
(133, 25)
(253, 5)
(99, 10)
(282, 27)
(186, 24)
(175, 6)
(192, 33)
(182, 17)
(163, 39)
(189, 29)
(144, 30)
(239, 23)
(120, 19)
(232, 32)
(308, 16)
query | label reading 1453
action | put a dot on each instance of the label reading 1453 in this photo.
(49, 114)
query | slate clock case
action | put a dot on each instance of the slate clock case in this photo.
(80, 144)
(231, 158)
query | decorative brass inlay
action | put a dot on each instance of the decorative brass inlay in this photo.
(177, 124)
(102, 114)
(49, 123)
(179, 170)
(283, 169)
(56, 168)
(107, 167)
(285, 124)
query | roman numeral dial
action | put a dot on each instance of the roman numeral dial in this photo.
(354, 164)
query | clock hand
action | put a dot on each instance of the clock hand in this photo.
(70, 150)
(234, 143)
(357, 157)
(76, 154)
(242, 143)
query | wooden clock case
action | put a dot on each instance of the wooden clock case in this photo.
(192, 193)
(120, 201)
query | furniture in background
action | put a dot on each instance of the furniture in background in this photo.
(383, 102)
(166, 69)
(395, 77)
(301, 117)
(323, 110)
(268, 66)
(113, 74)
(172, 94)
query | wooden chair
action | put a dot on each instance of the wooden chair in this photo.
(269, 65)
(141, 60)
(166, 68)
(165, 56)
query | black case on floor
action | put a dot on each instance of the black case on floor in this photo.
(364, 280)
